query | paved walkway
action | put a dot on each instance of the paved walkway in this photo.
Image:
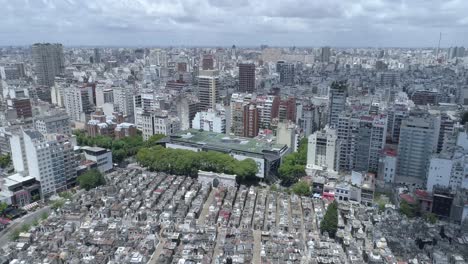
(206, 206)
(257, 250)
(221, 236)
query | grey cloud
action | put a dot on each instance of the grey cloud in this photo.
(245, 22)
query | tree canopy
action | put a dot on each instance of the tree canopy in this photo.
(301, 188)
(293, 164)
(329, 222)
(121, 148)
(5, 161)
(91, 179)
(187, 162)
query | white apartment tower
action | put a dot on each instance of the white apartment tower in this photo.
(323, 149)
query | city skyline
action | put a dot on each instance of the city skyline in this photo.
(245, 23)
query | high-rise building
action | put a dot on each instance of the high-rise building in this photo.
(238, 103)
(49, 158)
(22, 107)
(325, 54)
(286, 110)
(48, 62)
(211, 120)
(250, 121)
(418, 140)
(207, 62)
(323, 150)
(287, 73)
(363, 138)
(123, 102)
(337, 102)
(97, 55)
(208, 89)
(268, 106)
(78, 102)
(247, 77)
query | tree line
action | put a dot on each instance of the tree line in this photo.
(187, 162)
(293, 165)
(121, 148)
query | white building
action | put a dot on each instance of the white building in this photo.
(210, 120)
(387, 166)
(159, 123)
(49, 158)
(78, 101)
(208, 89)
(102, 156)
(123, 102)
(56, 122)
(322, 151)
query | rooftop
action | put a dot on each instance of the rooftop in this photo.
(223, 141)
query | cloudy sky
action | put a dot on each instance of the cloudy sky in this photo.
(378, 23)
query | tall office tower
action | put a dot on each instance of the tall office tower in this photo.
(247, 77)
(49, 158)
(208, 89)
(278, 66)
(123, 102)
(48, 62)
(287, 73)
(336, 102)
(97, 55)
(363, 138)
(325, 54)
(267, 105)
(250, 121)
(323, 150)
(211, 120)
(418, 140)
(233, 53)
(207, 62)
(78, 102)
(396, 114)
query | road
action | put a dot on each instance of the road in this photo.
(17, 223)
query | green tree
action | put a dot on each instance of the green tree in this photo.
(329, 222)
(407, 209)
(15, 234)
(3, 206)
(5, 161)
(301, 188)
(293, 165)
(25, 228)
(91, 179)
(431, 218)
(44, 215)
(58, 204)
(35, 222)
(152, 141)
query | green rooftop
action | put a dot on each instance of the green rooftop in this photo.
(223, 141)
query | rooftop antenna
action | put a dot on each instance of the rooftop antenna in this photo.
(438, 46)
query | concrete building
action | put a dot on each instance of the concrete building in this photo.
(55, 123)
(78, 103)
(286, 135)
(287, 73)
(418, 140)
(363, 138)
(159, 123)
(208, 89)
(48, 62)
(250, 121)
(325, 54)
(211, 120)
(323, 150)
(246, 77)
(387, 166)
(48, 158)
(267, 105)
(337, 102)
(266, 154)
(123, 102)
(102, 157)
